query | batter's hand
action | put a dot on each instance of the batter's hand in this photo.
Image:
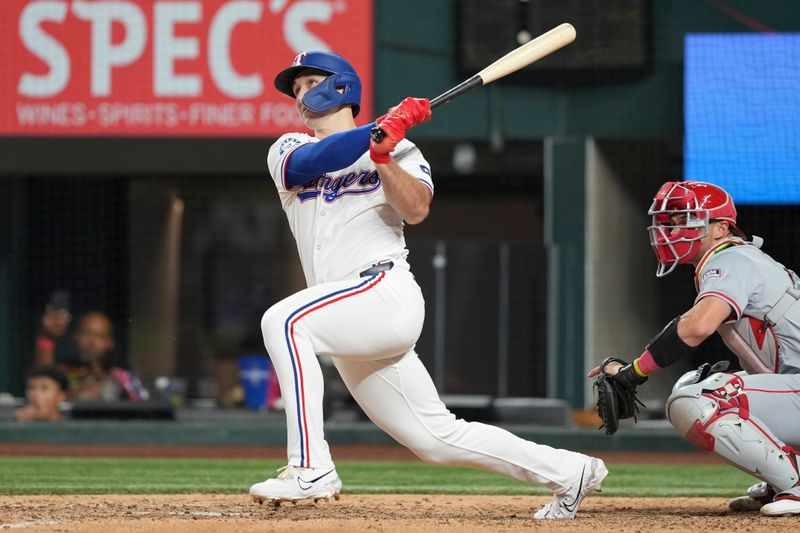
(412, 111)
(395, 123)
(394, 129)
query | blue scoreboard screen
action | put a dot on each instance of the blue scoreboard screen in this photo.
(742, 114)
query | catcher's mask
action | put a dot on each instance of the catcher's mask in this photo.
(325, 95)
(681, 214)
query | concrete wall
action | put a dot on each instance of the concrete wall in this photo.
(625, 303)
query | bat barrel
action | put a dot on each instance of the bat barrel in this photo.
(532, 51)
(521, 57)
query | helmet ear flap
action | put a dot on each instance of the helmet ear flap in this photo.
(326, 94)
(320, 97)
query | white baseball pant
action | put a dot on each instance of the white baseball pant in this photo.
(369, 326)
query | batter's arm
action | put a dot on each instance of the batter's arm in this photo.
(406, 194)
(336, 151)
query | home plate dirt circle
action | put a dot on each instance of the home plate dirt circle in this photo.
(201, 513)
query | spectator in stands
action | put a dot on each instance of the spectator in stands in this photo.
(91, 366)
(46, 389)
(54, 324)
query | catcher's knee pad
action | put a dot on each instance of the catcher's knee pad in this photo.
(714, 415)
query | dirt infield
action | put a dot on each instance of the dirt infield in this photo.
(374, 513)
(204, 513)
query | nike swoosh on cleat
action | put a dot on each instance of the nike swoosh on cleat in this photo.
(300, 480)
(571, 506)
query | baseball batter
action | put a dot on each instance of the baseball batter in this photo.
(346, 199)
(752, 418)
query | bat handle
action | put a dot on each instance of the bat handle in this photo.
(376, 134)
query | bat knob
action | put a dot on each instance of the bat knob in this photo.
(376, 134)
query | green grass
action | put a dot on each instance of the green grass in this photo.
(79, 475)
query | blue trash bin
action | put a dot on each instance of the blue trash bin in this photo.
(254, 375)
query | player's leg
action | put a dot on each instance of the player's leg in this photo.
(364, 317)
(775, 400)
(399, 396)
(751, 421)
(310, 472)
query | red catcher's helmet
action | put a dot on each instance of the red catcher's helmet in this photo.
(701, 203)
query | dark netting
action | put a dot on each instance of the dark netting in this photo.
(534, 260)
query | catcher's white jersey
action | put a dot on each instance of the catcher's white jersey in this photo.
(752, 282)
(337, 238)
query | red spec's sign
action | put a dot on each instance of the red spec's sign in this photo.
(167, 67)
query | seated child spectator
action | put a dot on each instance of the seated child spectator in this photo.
(46, 389)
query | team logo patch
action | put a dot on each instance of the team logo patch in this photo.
(298, 59)
(711, 273)
(288, 144)
(425, 169)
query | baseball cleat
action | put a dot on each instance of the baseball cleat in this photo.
(294, 484)
(564, 506)
(757, 497)
(786, 503)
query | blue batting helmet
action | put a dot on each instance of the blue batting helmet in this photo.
(323, 96)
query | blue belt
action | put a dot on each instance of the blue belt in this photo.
(376, 268)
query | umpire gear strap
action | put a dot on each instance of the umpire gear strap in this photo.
(667, 347)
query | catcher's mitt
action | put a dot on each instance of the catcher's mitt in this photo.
(616, 398)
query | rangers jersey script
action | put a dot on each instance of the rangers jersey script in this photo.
(342, 220)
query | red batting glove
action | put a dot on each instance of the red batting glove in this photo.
(395, 131)
(413, 111)
(395, 123)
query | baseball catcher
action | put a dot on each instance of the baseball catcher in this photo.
(750, 418)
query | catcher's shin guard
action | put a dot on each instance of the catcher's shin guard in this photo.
(713, 415)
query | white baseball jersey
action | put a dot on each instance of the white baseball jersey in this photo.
(752, 282)
(342, 220)
(369, 326)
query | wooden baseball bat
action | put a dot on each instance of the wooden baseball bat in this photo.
(521, 57)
